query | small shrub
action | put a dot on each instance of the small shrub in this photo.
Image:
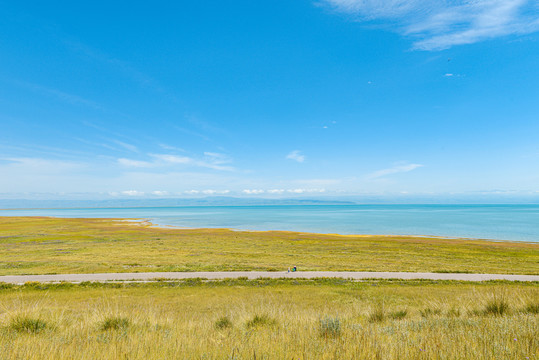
(223, 323)
(260, 320)
(532, 308)
(378, 314)
(398, 315)
(429, 312)
(114, 323)
(475, 312)
(496, 306)
(330, 327)
(28, 325)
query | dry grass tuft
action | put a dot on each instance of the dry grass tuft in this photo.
(399, 315)
(378, 313)
(114, 323)
(260, 320)
(497, 305)
(223, 323)
(27, 324)
(330, 327)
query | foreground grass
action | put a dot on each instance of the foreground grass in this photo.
(31, 245)
(270, 319)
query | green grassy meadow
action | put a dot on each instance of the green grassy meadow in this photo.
(271, 319)
(33, 245)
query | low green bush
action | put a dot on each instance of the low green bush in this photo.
(330, 327)
(27, 324)
(114, 323)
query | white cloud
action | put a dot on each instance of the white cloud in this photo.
(171, 148)
(437, 25)
(394, 170)
(215, 192)
(132, 193)
(61, 95)
(212, 161)
(448, 75)
(296, 191)
(296, 155)
(173, 159)
(217, 158)
(192, 192)
(134, 163)
(302, 191)
(160, 193)
(43, 166)
(253, 192)
(275, 191)
(160, 160)
(126, 146)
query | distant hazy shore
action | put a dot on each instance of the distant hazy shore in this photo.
(496, 222)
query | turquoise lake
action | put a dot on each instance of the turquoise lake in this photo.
(500, 222)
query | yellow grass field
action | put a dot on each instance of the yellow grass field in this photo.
(271, 319)
(31, 245)
(265, 318)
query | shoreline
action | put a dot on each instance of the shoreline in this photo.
(148, 222)
(52, 245)
(152, 224)
(488, 222)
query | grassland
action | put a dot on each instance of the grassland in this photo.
(270, 319)
(31, 245)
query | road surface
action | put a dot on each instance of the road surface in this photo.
(150, 276)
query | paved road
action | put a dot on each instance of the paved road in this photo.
(75, 278)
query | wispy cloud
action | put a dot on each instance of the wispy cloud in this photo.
(126, 146)
(171, 148)
(204, 125)
(296, 156)
(217, 158)
(134, 163)
(173, 159)
(192, 133)
(393, 170)
(123, 66)
(60, 95)
(211, 160)
(437, 25)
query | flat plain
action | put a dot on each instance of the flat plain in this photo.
(243, 318)
(270, 319)
(33, 245)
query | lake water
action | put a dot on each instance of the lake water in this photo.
(501, 222)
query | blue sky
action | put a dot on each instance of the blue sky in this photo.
(269, 98)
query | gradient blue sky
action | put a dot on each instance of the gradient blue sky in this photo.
(269, 98)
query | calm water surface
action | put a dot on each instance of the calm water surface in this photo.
(502, 222)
